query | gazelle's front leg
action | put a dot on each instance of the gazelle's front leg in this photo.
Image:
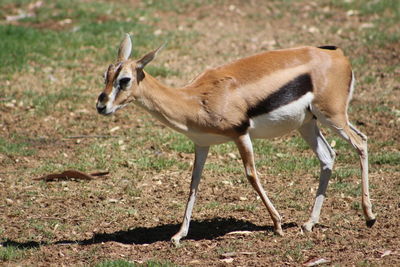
(199, 160)
(246, 151)
(326, 156)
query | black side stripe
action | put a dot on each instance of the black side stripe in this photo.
(288, 93)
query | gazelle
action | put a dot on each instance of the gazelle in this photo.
(261, 96)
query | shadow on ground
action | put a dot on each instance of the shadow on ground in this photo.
(206, 229)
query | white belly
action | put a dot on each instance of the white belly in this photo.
(282, 120)
(206, 139)
(273, 124)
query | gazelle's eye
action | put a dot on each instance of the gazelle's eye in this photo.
(123, 82)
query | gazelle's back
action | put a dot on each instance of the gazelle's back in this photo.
(267, 94)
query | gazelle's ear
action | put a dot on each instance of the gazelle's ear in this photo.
(125, 48)
(141, 63)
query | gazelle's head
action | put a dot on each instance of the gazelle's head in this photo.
(122, 79)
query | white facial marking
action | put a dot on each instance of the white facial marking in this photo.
(111, 98)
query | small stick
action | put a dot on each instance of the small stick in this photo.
(99, 173)
(90, 136)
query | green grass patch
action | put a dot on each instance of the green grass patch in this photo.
(16, 146)
(287, 164)
(225, 168)
(296, 142)
(179, 143)
(161, 71)
(11, 253)
(245, 207)
(23, 46)
(115, 263)
(211, 205)
(60, 164)
(177, 6)
(157, 163)
(96, 29)
(224, 149)
(46, 102)
(389, 8)
(384, 16)
(347, 188)
(342, 174)
(264, 147)
(390, 158)
(380, 37)
(297, 252)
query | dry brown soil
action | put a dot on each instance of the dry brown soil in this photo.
(83, 222)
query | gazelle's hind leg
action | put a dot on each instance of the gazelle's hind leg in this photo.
(312, 135)
(358, 140)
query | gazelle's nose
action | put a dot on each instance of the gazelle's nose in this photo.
(102, 97)
(101, 109)
(100, 106)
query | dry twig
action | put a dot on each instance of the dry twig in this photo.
(71, 174)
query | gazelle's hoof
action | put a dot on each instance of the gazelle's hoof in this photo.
(279, 232)
(307, 227)
(176, 241)
(370, 223)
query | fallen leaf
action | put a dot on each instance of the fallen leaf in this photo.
(240, 233)
(228, 254)
(386, 253)
(116, 128)
(232, 155)
(234, 254)
(228, 260)
(315, 262)
(247, 253)
(20, 16)
(333, 143)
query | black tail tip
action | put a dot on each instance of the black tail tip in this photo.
(328, 47)
(370, 223)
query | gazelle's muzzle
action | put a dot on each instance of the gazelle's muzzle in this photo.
(101, 104)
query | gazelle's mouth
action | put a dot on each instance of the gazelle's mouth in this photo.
(104, 111)
(101, 109)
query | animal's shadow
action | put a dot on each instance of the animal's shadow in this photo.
(199, 230)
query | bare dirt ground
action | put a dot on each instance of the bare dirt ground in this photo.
(132, 213)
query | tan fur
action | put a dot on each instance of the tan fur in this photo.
(217, 100)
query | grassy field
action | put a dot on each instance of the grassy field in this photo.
(53, 55)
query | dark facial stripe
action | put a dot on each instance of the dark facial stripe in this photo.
(288, 93)
(113, 72)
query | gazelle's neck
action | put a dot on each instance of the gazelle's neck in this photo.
(169, 105)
